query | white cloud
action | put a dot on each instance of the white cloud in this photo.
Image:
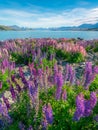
(72, 17)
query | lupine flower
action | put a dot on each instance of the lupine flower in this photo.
(48, 114)
(4, 111)
(55, 73)
(88, 108)
(84, 107)
(59, 85)
(0, 85)
(13, 93)
(66, 77)
(6, 102)
(77, 82)
(23, 78)
(95, 70)
(15, 82)
(13, 78)
(88, 76)
(30, 128)
(90, 104)
(80, 108)
(21, 72)
(33, 92)
(18, 88)
(21, 126)
(31, 66)
(93, 99)
(70, 74)
(64, 95)
(44, 123)
(96, 118)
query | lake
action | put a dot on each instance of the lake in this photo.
(87, 35)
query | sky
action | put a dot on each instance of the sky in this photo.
(48, 13)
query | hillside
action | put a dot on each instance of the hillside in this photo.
(2, 27)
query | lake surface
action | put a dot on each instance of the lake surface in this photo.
(88, 35)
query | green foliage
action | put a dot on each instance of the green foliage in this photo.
(49, 50)
(95, 49)
(45, 63)
(75, 57)
(69, 57)
(4, 78)
(88, 48)
(63, 111)
(21, 58)
(62, 54)
(49, 63)
(94, 85)
(21, 113)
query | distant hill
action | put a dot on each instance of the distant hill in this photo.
(14, 27)
(2, 27)
(82, 27)
(89, 26)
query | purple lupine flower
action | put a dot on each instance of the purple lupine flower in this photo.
(44, 123)
(4, 111)
(47, 111)
(31, 66)
(12, 66)
(84, 107)
(30, 128)
(88, 109)
(40, 72)
(6, 102)
(0, 85)
(51, 56)
(33, 90)
(66, 77)
(95, 69)
(93, 99)
(80, 108)
(96, 118)
(21, 126)
(21, 72)
(88, 76)
(40, 77)
(24, 80)
(90, 104)
(15, 82)
(64, 95)
(13, 93)
(18, 88)
(55, 73)
(70, 74)
(59, 85)
(13, 78)
(78, 82)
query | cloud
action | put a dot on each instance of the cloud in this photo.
(73, 17)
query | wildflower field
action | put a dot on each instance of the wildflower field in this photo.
(49, 84)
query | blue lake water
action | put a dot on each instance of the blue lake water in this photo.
(88, 35)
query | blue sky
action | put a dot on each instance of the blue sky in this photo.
(48, 13)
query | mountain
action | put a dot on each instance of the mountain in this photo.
(14, 28)
(2, 27)
(88, 26)
(82, 27)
